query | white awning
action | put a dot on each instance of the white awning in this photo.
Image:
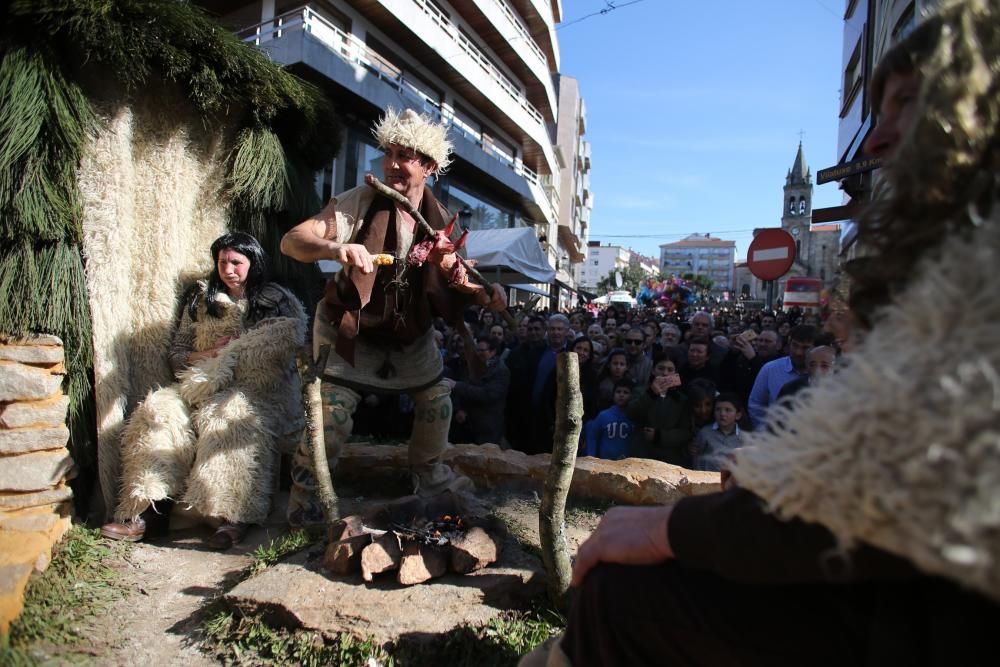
(509, 256)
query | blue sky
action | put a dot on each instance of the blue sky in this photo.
(694, 111)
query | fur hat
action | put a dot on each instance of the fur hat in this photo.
(416, 131)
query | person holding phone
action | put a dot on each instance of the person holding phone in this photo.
(662, 414)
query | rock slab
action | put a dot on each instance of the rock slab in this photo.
(344, 556)
(629, 481)
(299, 595)
(422, 562)
(382, 555)
(472, 551)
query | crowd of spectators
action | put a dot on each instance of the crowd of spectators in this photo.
(654, 385)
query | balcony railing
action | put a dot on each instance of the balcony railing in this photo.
(479, 58)
(354, 51)
(522, 31)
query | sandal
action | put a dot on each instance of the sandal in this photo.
(227, 535)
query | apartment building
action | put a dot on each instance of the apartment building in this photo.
(701, 254)
(602, 260)
(871, 27)
(576, 200)
(486, 68)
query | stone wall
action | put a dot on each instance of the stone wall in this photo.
(34, 464)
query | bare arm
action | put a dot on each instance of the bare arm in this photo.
(316, 238)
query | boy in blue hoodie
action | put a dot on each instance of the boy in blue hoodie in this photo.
(608, 434)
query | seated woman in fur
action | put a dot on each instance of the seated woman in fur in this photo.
(210, 440)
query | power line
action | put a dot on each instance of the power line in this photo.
(611, 6)
(660, 236)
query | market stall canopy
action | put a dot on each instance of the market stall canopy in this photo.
(515, 252)
(509, 256)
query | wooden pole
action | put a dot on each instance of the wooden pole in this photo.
(311, 384)
(552, 514)
(427, 229)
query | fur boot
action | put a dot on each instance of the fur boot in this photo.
(157, 452)
(234, 462)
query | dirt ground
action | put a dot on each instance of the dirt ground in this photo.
(173, 578)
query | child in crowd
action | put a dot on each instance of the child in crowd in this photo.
(662, 414)
(701, 393)
(614, 370)
(609, 433)
(717, 441)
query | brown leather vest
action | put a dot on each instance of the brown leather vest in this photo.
(392, 304)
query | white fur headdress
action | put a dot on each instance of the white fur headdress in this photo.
(416, 131)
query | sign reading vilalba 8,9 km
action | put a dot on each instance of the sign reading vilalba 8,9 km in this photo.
(771, 254)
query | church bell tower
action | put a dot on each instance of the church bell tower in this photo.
(797, 206)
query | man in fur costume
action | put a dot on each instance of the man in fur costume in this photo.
(211, 439)
(376, 319)
(865, 528)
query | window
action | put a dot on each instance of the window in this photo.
(802, 206)
(485, 215)
(852, 79)
(905, 25)
(791, 205)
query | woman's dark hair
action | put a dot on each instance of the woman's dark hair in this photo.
(668, 354)
(700, 389)
(257, 274)
(584, 339)
(606, 369)
(942, 175)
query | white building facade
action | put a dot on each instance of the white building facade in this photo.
(701, 254)
(602, 260)
(486, 68)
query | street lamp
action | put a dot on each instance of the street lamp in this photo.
(465, 217)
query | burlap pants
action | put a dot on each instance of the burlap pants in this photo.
(431, 420)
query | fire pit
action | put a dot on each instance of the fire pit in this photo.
(417, 548)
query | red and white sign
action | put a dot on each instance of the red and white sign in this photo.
(771, 254)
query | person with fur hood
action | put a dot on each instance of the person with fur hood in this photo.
(864, 528)
(375, 316)
(210, 440)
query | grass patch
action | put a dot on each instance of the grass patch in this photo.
(249, 640)
(77, 585)
(580, 509)
(266, 556)
(499, 643)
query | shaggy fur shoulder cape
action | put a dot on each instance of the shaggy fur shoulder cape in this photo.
(255, 360)
(901, 448)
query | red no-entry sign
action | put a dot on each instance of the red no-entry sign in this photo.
(771, 254)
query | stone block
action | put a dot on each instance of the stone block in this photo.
(472, 551)
(33, 520)
(344, 557)
(33, 339)
(349, 526)
(422, 562)
(21, 440)
(32, 354)
(22, 548)
(382, 555)
(48, 412)
(26, 383)
(47, 497)
(35, 471)
(13, 579)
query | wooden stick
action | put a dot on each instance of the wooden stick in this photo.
(552, 514)
(311, 384)
(427, 229)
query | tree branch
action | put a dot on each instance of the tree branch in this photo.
(427, 229)
(552, 514)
